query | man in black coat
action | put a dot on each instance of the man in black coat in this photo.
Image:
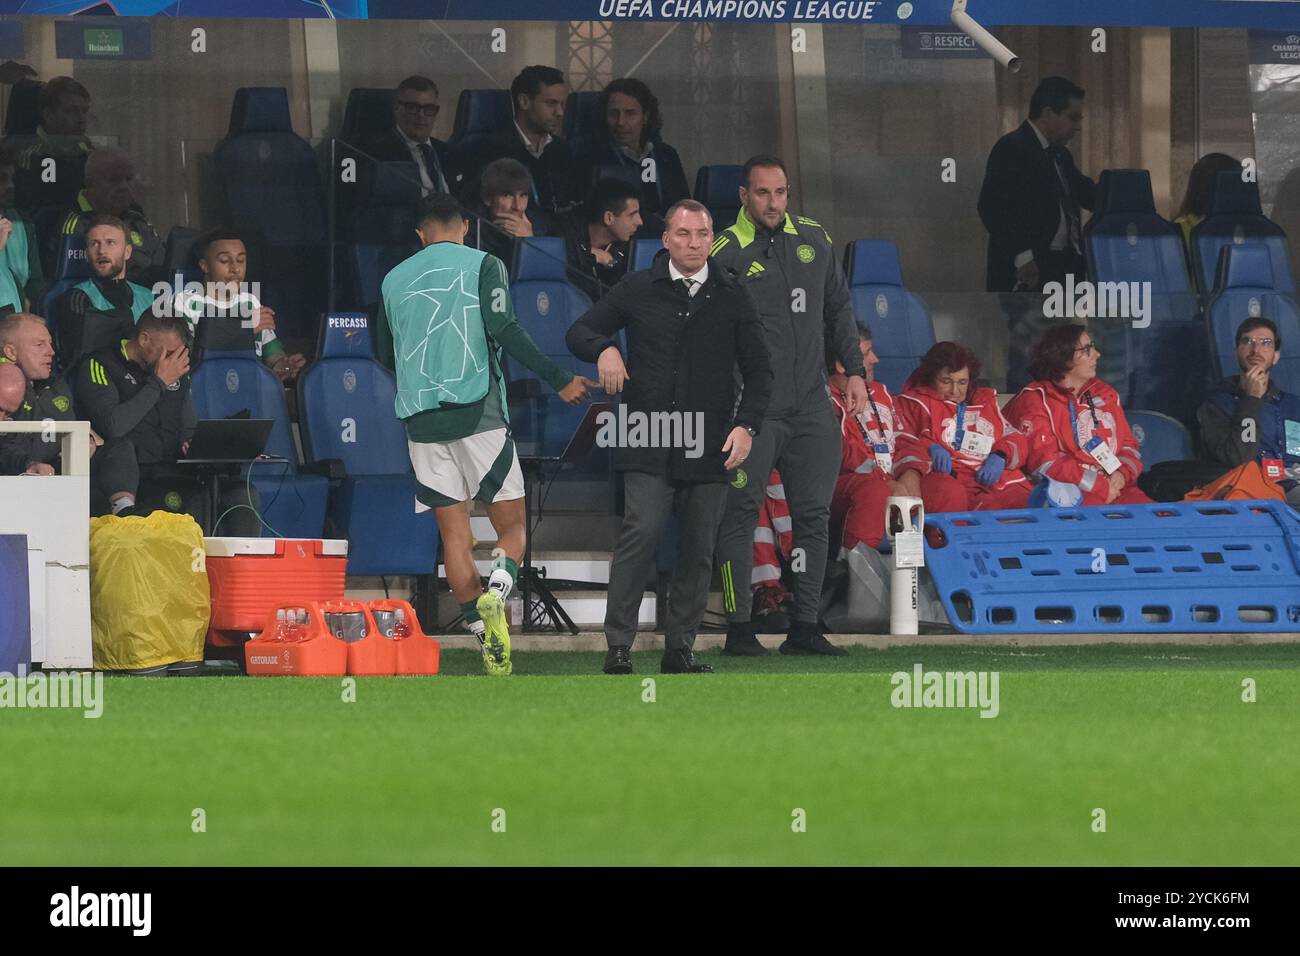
(678, 433)
(410, 138)
(1032, 193)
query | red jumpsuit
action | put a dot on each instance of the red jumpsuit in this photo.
(926, 419)
(1057, 438)
(858, 505)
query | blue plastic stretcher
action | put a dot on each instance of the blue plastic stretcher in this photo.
(1207, 566)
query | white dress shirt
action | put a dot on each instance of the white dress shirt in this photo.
(697, 280)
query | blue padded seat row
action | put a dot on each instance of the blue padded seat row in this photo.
(1245, 288)
(71, 267)
(718, 187)
(644, 252)
(901, 328)
(345, 403)
(1236, 217)
(546, 305)
(1164, 365)
(1159, 437)
(271, 189)
(479, 114)
(368, 111)
(383, 230)
(230, 382)
(582, 120)
(1205, 566)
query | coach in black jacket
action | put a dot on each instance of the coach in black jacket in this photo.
(689, 324)
(1032, 194)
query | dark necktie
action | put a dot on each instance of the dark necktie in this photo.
(1066, 197)
(687, 285)
(432, 168)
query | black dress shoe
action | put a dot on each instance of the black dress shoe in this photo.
(742, 642)
(618, 660)
(682, 661)
(807, 638)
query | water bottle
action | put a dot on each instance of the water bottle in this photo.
(515, 609)
(281, 626)
(401, 629)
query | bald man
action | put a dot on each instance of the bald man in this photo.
(25, 343)
(109, 177)
(13, 386)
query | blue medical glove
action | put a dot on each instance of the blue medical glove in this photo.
(940, 459)
(991, 470)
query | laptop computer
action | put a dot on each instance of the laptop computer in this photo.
(229, 439)
(580, 442)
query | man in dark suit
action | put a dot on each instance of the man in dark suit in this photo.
(410, 138)
(1032, 194)
(689, 323)
(533, 138)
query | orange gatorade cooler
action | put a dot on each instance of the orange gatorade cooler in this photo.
(295, 641)
(249, 576)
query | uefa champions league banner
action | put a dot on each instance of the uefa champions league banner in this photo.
(1256, 14)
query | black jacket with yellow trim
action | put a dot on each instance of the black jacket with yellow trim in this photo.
(803, 302)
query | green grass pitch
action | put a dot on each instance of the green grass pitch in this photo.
(712, 772)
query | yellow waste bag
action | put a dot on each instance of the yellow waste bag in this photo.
(149, 599)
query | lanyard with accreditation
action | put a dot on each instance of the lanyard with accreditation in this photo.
(971, 443)
(1096, 446)
(880, 450)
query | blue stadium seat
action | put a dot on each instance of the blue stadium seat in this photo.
(23, 114)
(271, 189)
(71, 267)
(644, 252)
(546, 306)
(718, 187)
(1236, 217)
(1244, 289)
(230, 382)
(383, 232)
(582, 119)
(479, 114)
(1162, 366)
(180, 254)
(901, 328)
(368, 111)
(1159, 437)
(346, 405)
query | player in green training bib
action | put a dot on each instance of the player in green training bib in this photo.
(444, 317)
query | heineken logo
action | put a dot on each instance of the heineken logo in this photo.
(104, 43)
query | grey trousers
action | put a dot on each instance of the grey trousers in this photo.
(807, 451)
(649, 500)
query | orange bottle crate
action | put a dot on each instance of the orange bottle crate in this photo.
(308, 650)
(417, 653)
